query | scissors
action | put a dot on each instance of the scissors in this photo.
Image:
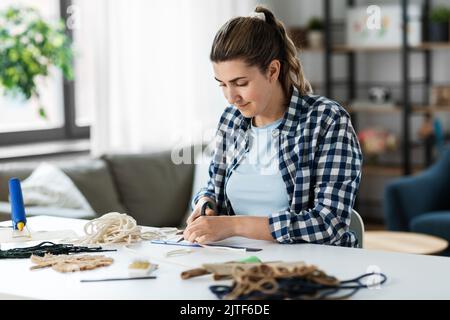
(202, 213)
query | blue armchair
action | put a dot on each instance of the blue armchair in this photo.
(421, 203)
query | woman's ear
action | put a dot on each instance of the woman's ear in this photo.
(274, 70)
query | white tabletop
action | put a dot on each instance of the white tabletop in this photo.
(409, 276)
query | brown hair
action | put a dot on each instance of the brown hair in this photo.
(258, 42)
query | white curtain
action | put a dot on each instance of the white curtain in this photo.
(144, 67)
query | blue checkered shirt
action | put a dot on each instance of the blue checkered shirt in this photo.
(320, 161)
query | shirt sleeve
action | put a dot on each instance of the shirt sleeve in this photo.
(208, 190)
(337, 170)
(216, 171)
(215, 186)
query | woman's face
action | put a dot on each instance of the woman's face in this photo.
(245, 87)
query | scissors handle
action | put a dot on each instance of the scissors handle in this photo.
(202, 213)
(203, 209)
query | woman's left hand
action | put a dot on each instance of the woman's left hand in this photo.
(207, 229)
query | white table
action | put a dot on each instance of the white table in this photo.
(409, 276)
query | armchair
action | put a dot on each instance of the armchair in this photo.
(421, 203)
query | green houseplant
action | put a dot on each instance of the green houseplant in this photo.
(315, 24)
(315, 32)
(29, 48)
(439, 24)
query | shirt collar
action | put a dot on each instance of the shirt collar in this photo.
(289, 124)
(290, 120)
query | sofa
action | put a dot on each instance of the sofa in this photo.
(150, 187)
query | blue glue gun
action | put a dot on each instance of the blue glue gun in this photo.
(17, 208)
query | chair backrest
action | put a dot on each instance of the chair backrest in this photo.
(357, 226)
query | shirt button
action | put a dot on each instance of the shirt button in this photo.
(275, 133)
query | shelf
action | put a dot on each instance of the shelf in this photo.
(307, 49)
(368, 84)
(431, 109)
(423, 46)
(397, 109)
(374, 109)
(432, 45)
(415, 108)
(348, 49)
(388, 170)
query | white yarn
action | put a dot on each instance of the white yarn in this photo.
(117, 227)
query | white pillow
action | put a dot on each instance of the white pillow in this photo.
(50, 186)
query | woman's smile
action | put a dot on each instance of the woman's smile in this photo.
(243, 105)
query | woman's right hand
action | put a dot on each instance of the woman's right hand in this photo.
(198, 207)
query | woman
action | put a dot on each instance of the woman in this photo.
(287, 164)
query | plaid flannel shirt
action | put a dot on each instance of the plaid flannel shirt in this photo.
(320, 161)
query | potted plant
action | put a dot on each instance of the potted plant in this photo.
(315, 32)
(439, 24)
(29, 48)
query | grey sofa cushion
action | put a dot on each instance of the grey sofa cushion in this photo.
(92, 178)
(154, 190)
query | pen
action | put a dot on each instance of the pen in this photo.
(17, 208)
(117, 279)
(202, 213)
(207, 246)
(204, 206)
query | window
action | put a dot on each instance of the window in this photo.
(81, 20)
(20, 120)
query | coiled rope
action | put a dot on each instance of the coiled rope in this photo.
(117, 227)
(301, 282)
